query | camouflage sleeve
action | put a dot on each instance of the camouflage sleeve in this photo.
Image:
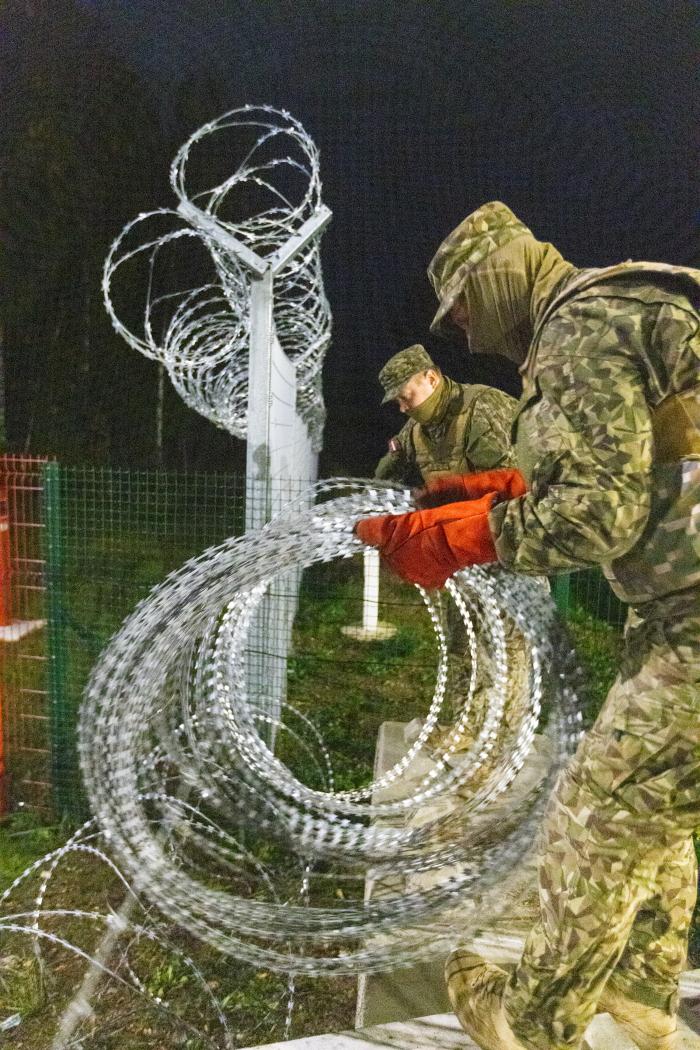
(589, 432)
(397, 463)
(487, 439)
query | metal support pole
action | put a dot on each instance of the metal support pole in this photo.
(62, 746)
(258, 485)
(311, 228)
(561, 592)
(214, 229)
(272, 465)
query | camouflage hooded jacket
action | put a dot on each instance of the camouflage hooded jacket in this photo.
(608, 428)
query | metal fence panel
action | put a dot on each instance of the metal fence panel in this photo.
(88, 544)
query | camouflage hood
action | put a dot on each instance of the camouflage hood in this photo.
(502, 275)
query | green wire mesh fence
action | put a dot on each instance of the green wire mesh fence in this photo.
(86, 544)
(588, 592)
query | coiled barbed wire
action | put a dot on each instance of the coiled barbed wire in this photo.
(82, 933)
(168, 739)
(195, 291)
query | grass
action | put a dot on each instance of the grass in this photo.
(254, 1000)
(24, 838)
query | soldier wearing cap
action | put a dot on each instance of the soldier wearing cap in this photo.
(453, 428)
(607, 442)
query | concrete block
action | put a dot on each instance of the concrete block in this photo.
(441, 1032)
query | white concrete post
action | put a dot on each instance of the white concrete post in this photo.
(371, 629)
(258, 506)
(370, 600)
(280, 460)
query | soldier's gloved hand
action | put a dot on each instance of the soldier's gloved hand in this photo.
(429, 546)
(506, 483)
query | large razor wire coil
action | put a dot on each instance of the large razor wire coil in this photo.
(175, 761)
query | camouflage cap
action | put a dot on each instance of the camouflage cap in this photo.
(401, 367)
(486, 229)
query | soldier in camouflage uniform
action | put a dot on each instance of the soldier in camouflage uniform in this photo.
(608, 437)
(453, 428)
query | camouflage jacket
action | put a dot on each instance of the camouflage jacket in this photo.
(612, 347)
(472, 433)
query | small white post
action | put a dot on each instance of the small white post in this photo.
(370, 602)
(371, 630)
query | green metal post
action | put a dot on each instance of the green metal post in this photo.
(62, 729)
(561, 592)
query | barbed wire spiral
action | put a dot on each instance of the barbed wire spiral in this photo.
(194, 291)
(168, 740)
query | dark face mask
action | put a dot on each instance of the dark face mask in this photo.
(506, 293)
(513, 344)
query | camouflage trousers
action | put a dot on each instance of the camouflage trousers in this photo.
(617, 873)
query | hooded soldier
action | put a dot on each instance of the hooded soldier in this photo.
(607, 442)
(453, 428)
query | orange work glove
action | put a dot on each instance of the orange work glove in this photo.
(506, 483)
(429, 546)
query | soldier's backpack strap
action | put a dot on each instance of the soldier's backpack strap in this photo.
(589, 278)
(470, 392)
(676, 425)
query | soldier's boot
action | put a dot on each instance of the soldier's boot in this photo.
(475, 988)
(647, 1026)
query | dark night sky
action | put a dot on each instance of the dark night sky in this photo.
(582, 116)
